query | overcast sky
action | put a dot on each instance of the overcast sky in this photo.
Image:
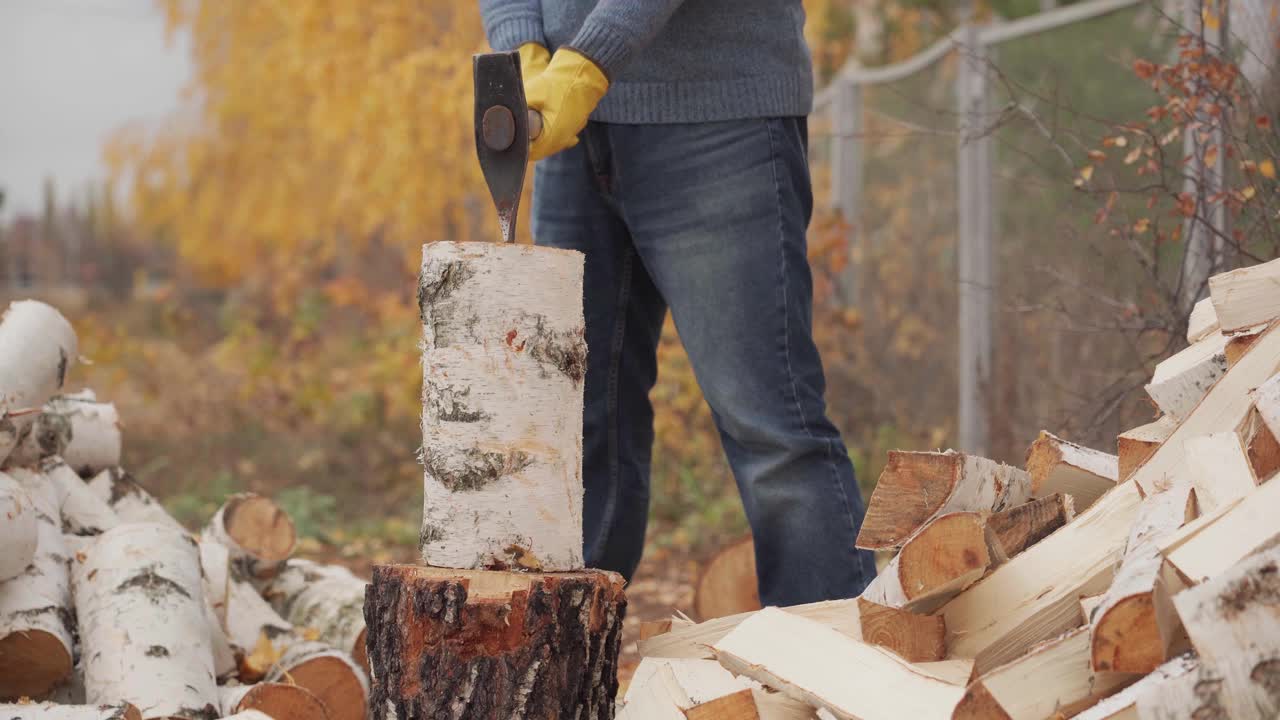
(71, 71)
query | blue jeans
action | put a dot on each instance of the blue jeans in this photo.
(708, 219)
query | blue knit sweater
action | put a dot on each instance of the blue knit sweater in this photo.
(673, 61)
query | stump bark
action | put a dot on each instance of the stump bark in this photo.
(474, 644)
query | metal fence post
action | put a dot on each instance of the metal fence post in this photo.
(974, 196)
(846, 171)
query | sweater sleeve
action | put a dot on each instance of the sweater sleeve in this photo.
(511, 23)
(617, 28)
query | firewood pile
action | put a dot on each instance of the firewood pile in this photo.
(1142, 584)
(110, 608)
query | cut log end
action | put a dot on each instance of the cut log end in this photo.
(728, 584)
(912, 488)
(978, 704)
(957, 548)
(281, 701)
(1127, 637)
(261, 527)
(32, 663)
(331, 681)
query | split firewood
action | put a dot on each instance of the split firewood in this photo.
(771, 705)
(957, 671)
(1202, 321)
(1239, 343)
(699, 680)
(1261, 446)
(658, 697)
(1267, 401)
(1181, 380)
(654, 628)
(83, 432)
(728, 584)
(326, 598)
(916, 487)
(1212, 543)
(916, 638)
(139, 601)
(1022, 526)
(1123, 704)
(1234, 622)
(36, 629)
(1088, 604)
(503, 367)
(740, 705)
(279, 701)
(815, 664)
(1035, 596)
(55, 711)
(1134, 628)
(1133, 447)
(1060, 467)
(1246, 297)
(1195, 694)
(434, 633)
(130, 501)
(1224, 407)
(1219, 470)
(18, 528)
(329, 674)
(258, 533)
(83, 511)
(1055, 677)
(946, 556)
(37, 346)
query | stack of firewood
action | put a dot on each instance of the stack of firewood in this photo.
(1144, 584)
(110, 608)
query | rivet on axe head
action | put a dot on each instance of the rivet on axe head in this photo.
(498, 127)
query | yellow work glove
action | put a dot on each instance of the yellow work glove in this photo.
(533, 60)
(564, 94)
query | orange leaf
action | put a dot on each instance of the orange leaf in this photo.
(1268, 169)
(1142, 225)
(1144, 69)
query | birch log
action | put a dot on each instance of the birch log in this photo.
(36, 627)
(1123, 705)
(259, 535)
(80, 430)
(18, 528)
(83, 512)
(916, 487)
(258, 634)
(326, 598)
(1246, 297)
(504, 357)
(1134, 627)
(140, 604)
(1180, 381)
(48, 435)
(1058, 466)
(215, 563)
(37, 346)
(946, 556)
(130, 501)
(279, 701)
(54, 711)
(1234, 622)
(329, 674)
(1202, 321)
(1133, 447)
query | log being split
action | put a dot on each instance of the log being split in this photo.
(279, 701)
(258, 533)
(141, 610)
(504, 357)
(130, 501)
(916, 487)
(1058, 466)
(54, 711)
(37, 346)
(36, 626)
(326, 598)
(18, 528)
(474, 644)
(1134, 627)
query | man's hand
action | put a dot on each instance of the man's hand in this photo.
(534, 58)
(564, 94)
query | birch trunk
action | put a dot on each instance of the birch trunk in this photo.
(215, 564)
(504, 357)
(1134, 627)
(279, 701)
(140, 603)
(331, 675)
(36, 626)
(258, 634)
(54, 711)
(258, 534)
(1234, 622)
(83, 512)
(327, 598)
(81, 431)
(130, 501)
(37, 346)
(18, 528)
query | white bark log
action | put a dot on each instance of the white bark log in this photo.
(259, 535)
(258, 634)
(35, 606)
(1212, 543)
(810, 662)
(331, 675)
(18, 525)
(1234, 623)
(1219, 470)
(54, 711)
(141, 608)
(249, 715)
(83, 512)
(1247, 296)
(1203, 320)
(1180, 381)
(279, 701)
(1123, 705)
(130, 501)
(83, 432)
(1134, 627)
(37, 346)
(215, 563)
(327, 598)
(1059, 466)
(504, 358)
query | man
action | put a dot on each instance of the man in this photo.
(673, 154)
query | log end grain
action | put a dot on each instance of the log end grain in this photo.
(32, 663)
(261, 527)
(493, 644)
(911, 489)
(1127, 637)
(956, 547)
(282, 701)
(728, 584)
(978, 704)
(333, 683)
(916, 638)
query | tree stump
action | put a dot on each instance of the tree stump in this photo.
(474, 645)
